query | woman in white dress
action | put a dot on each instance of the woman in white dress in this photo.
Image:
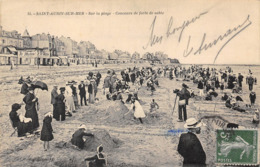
(138, 110)
(69, 98)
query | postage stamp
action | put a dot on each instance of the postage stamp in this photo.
(237, 147)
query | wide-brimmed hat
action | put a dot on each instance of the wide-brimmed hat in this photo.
(27, 80)
(82, 126)
(100, 148)
(69, 83)
(48, 114)
(192, 123)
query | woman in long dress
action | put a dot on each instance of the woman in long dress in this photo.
(60, 105)
(69, 99)
(138, 110)
(30, 101)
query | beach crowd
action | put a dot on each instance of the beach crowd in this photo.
(210, 83)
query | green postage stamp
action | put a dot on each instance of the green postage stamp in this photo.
(237, 147)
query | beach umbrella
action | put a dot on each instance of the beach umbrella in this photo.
(39, 84)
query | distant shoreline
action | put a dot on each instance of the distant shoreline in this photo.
(223, 64)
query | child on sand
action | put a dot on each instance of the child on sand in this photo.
(256, 117)
(46, 133)
(153, 106)
(98, 160)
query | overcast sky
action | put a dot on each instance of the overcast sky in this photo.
(133, 32)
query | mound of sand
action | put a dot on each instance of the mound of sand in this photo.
(108, 112)
(101, 137)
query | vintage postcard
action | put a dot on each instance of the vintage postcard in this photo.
(129, 83)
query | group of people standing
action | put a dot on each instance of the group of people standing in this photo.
(66, 102)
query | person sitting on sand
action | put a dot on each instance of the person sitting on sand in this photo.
(237, 88)
(238, 98)
(224, 97)
(228, 102)
(19, 122)
(256, 117)
(153, 106)
(208, 97)
(189, 146)
(118, 96)
(77, 137)
(99, 160)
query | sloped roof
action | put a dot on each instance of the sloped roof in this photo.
(26, 33)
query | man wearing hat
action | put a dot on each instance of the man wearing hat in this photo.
(82, 92)
(189, 146)
(240, 79)
(54, 94)
(184, 96)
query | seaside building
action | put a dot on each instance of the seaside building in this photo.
(10, 41)
(71, 49)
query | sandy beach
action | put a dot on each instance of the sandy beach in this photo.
(136, 145)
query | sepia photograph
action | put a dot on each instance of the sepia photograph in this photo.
(129, 83)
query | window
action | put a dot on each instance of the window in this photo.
(3, 41)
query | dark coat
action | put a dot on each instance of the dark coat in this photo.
(46, 133)
(107, 82)
(22, 128)
(24, 89)
(127, 78)
(82, 89)
(200, 85)
(54, 94)
(191, 150)
(60, 108)
(252, 97)
(74, 90)
(184, 94)
(225, 97)
(250, 80)
(90, 88)
(30, 108)
(240, 78)
(14, 118)
(77, 139)
(132, 77)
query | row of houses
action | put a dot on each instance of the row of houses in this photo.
(46, 49)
